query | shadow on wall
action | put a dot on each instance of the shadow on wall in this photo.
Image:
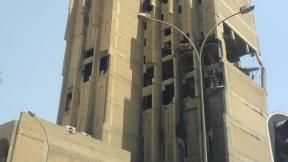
(131, 139)
(4, 148)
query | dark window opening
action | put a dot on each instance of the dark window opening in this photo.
(164, 1)
(235, 46)
(187, 63)
(4, 149)
(167, 49)
(180, 131)
(188, 88)
(145, 41)
(167, 70)
(162, 17)
(184, 45)
(185, 40)
(142, 156)
(146, 6)
(147, 102)
(104, 65)
(86, 20)
(215, 79)
(163, 152)
(168, 94)
(185, 149)
(68, 102)
(242, 55)
(145, 25)
(210, 144)
(88, 5)
(89, 53)
(148, 76)
(212, 53)
(87, 72)
(167, 31)
(180, 9)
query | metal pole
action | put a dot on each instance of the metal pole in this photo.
(44, 130)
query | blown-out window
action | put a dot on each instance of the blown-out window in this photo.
(68, 102)
(147, 102)
(104, 64)
(87, 71)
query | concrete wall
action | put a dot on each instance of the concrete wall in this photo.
(246, 118)
(30, 145)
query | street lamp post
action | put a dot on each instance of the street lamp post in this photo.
(32, 114)
(243, 10)
(71, 130)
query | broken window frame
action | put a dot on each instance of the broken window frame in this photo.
(188, 88)
(179, 9)
(167, 49)
(147, 102)
(146, 6)
(186, 62)
(212, 53)
(87, 71)
(167, 70)
(68, 102)
(236, 44)
(167, 31)
(104, 64)
(148, 76)
(89, 53)
(168, 94)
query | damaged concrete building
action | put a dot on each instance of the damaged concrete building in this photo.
(134, 84)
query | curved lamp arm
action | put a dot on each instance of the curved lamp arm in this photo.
(212, 30)
(243, 10)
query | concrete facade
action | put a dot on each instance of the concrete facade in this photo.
(135, 84)
(26, 142)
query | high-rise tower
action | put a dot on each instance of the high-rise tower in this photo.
(135, 84)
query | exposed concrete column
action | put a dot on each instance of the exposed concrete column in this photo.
(78, 73)
(157, 87)
(96, 21)
(177, 83)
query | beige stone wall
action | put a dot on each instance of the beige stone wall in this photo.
(30, 145)
(246, 101)
(246, 118)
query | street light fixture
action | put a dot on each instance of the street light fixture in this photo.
(243, 10)
(246, 9)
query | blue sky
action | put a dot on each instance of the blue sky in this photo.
(32, 49)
